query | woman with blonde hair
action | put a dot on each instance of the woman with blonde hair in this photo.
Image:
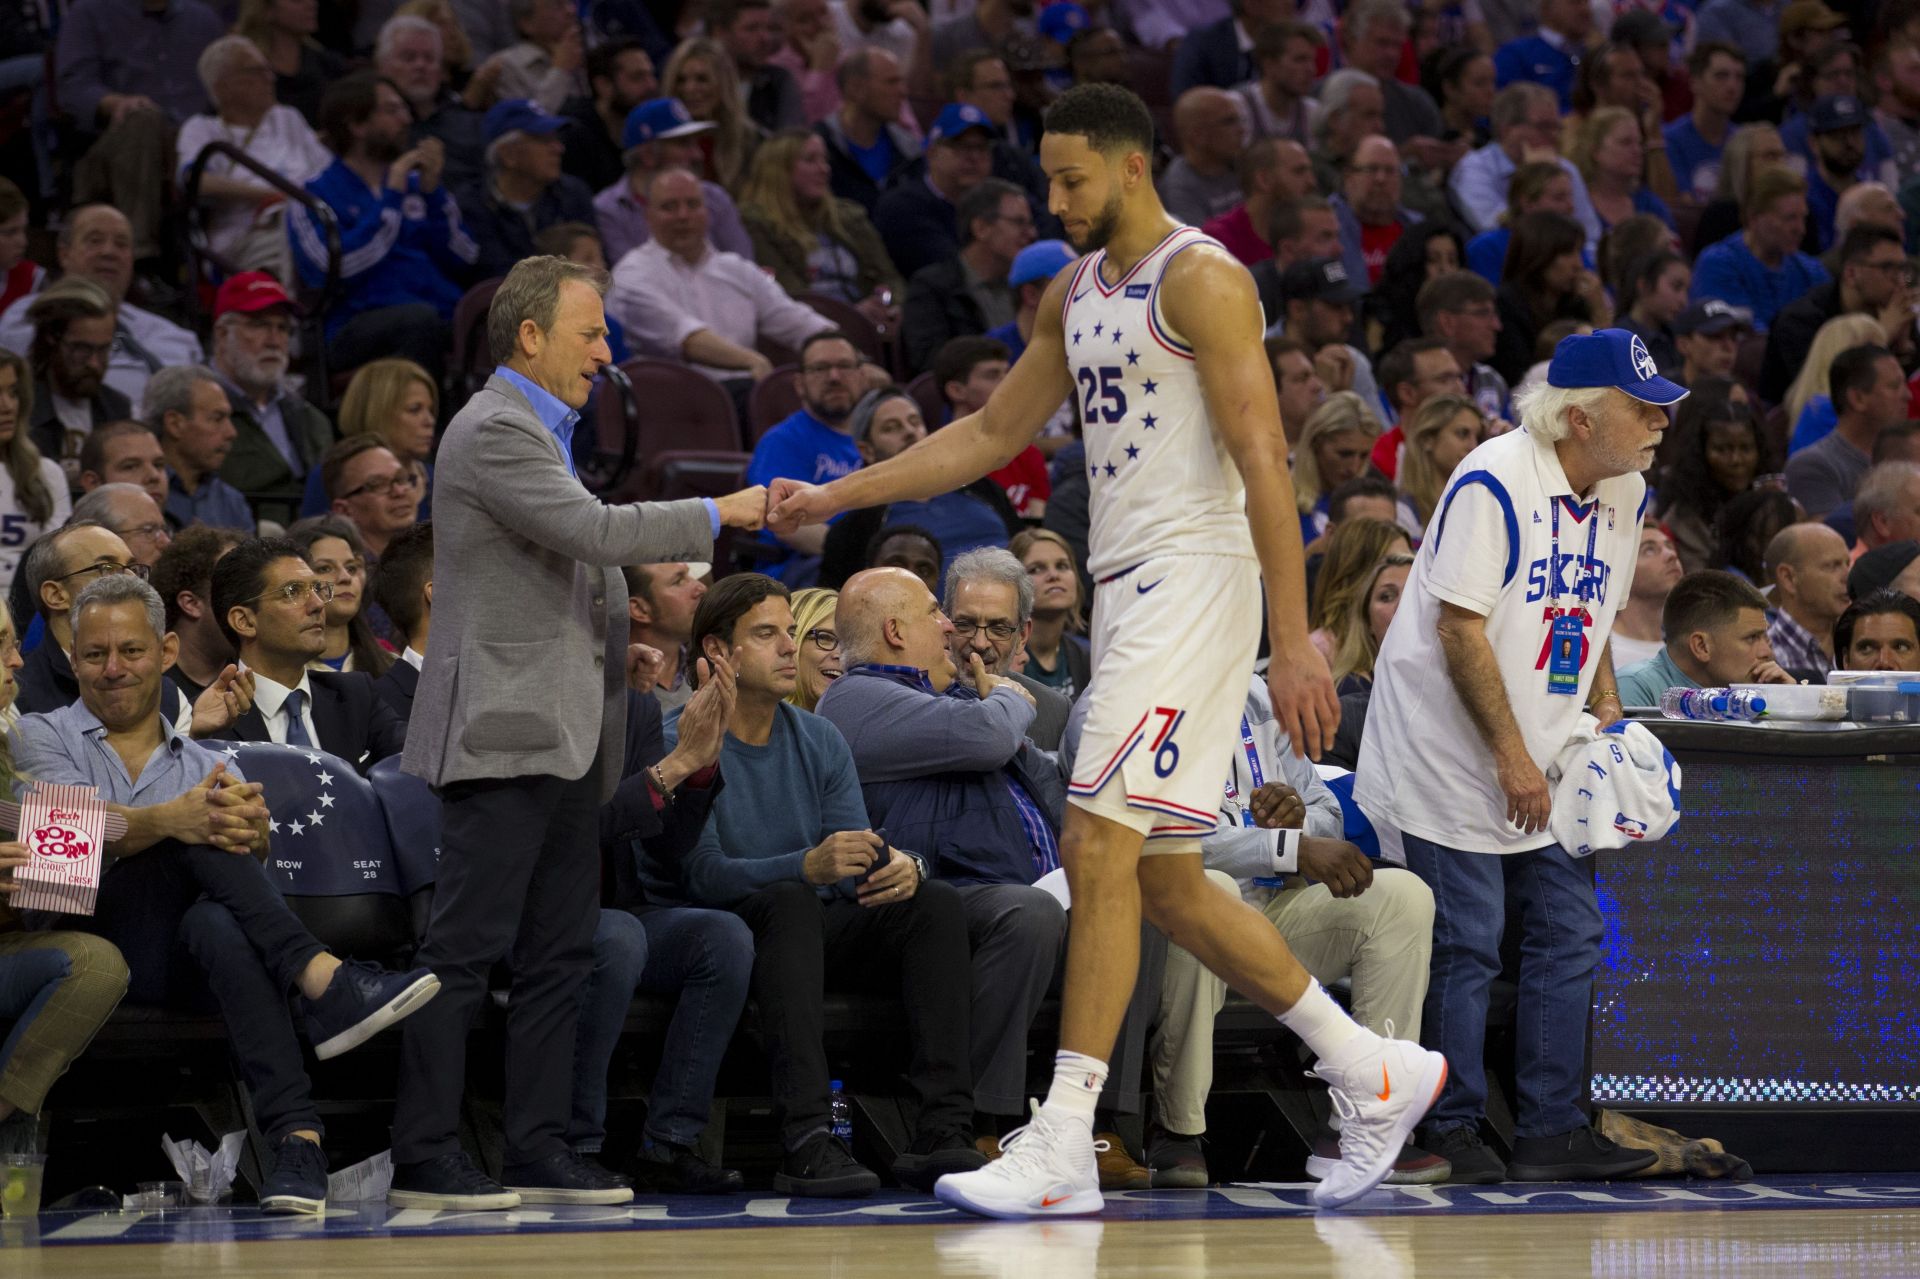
(702, 76)
(1368, 616)
(810, 239)
(818, 659)
(1752, 147)
(1611, 153)
(1332, 449)
(33, 489)
(1809, 402)
(1057, 656)
(1441, 432)
(1353, 549)
(396, 400)
(302, 67)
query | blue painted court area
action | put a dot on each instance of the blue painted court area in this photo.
(1241, 1202)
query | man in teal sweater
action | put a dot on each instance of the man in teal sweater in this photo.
(787, 847)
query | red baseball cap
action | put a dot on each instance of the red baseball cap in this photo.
(251, 291)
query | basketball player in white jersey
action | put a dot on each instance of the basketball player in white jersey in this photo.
(1157, 331)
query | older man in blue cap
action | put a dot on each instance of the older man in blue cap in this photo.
(917, 215)
(1528, 559)
(520, 191)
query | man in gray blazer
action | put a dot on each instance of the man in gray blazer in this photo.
(990, 602)
(519, 722)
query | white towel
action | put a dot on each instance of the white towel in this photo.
(1612, 788)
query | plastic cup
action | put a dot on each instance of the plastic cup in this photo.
(158, 1196)
(20, 1179)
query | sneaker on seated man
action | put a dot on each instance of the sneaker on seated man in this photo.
(1280, 846)
(188, 874)
(789, 849)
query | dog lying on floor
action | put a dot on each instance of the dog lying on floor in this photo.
(1690, 1156)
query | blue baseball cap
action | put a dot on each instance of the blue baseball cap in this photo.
(1061, 21)
(520, 115)
(660, 118)
(955, 119)
(1615, 358)
(1040, 260)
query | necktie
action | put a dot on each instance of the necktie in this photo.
(296, 726)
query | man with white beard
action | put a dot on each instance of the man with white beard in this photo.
(279, 434)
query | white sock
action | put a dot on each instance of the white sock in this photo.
(1077, 1081)
(1320, 1023)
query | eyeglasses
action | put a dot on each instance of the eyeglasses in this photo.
(88, 351)
(296, 592)
(1000, 632)
(821, 638)
(382, 485)
(107, 568)
(149, 531)
(824, 367)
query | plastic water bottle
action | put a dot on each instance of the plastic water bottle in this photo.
(1742, 704)
(842, 1123)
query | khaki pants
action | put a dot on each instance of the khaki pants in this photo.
(1382, 940)
(128, 167)
(67, 985)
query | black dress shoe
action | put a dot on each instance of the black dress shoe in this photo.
(665, 1168)
(935, 1154)
(1579, 1155)
(448, 1183)
(824, 1169)
(565, 1178)
(1474, 1164)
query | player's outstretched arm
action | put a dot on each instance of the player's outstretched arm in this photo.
(958, 453)
(1210, 299)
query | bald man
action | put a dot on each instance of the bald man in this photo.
(1203, 181)
(1807, 564)
(947, 771)
(1372, 219)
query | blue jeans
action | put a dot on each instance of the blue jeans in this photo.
(703, 959)
(1560, 934)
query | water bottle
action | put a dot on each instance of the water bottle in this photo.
(842, 1123)
(1742, 704)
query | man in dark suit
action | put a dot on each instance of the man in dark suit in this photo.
(1221, 53)
(523, 736)
(273, 607)
(403, 588)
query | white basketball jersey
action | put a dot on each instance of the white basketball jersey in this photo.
(1162, 482)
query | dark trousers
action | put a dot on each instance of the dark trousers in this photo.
(519, 879)
(250, 948)
(700, 959)
(1561, 931)
(918, 948)
(415, 331)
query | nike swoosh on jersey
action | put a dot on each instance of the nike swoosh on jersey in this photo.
(1082, 293)
(1143, 589)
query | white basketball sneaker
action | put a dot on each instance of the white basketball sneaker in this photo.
(1045, 1169)
(1381, 1094)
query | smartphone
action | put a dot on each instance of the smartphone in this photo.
(885, 854)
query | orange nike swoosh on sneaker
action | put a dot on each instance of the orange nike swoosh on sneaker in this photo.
(1386, 1088)
(1047, 1201)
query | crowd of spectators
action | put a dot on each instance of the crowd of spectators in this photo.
(244, 248)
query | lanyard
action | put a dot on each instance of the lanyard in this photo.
(1253, 768)
(1593, 536)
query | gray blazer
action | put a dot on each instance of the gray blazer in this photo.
(526, 663)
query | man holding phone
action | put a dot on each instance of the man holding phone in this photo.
(788, 848)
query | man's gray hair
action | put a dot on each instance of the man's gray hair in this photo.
(120, 588)
(171, 391)
(43, 557)
(97, 506)
(1883, 492)
(220, 58)
(992, 564)
(1542, 409)
(1371, 13)
(1511, 104)
(400, 24)
(531, 291)
(1335, 93)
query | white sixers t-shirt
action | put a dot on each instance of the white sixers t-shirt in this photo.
(1424, 767)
